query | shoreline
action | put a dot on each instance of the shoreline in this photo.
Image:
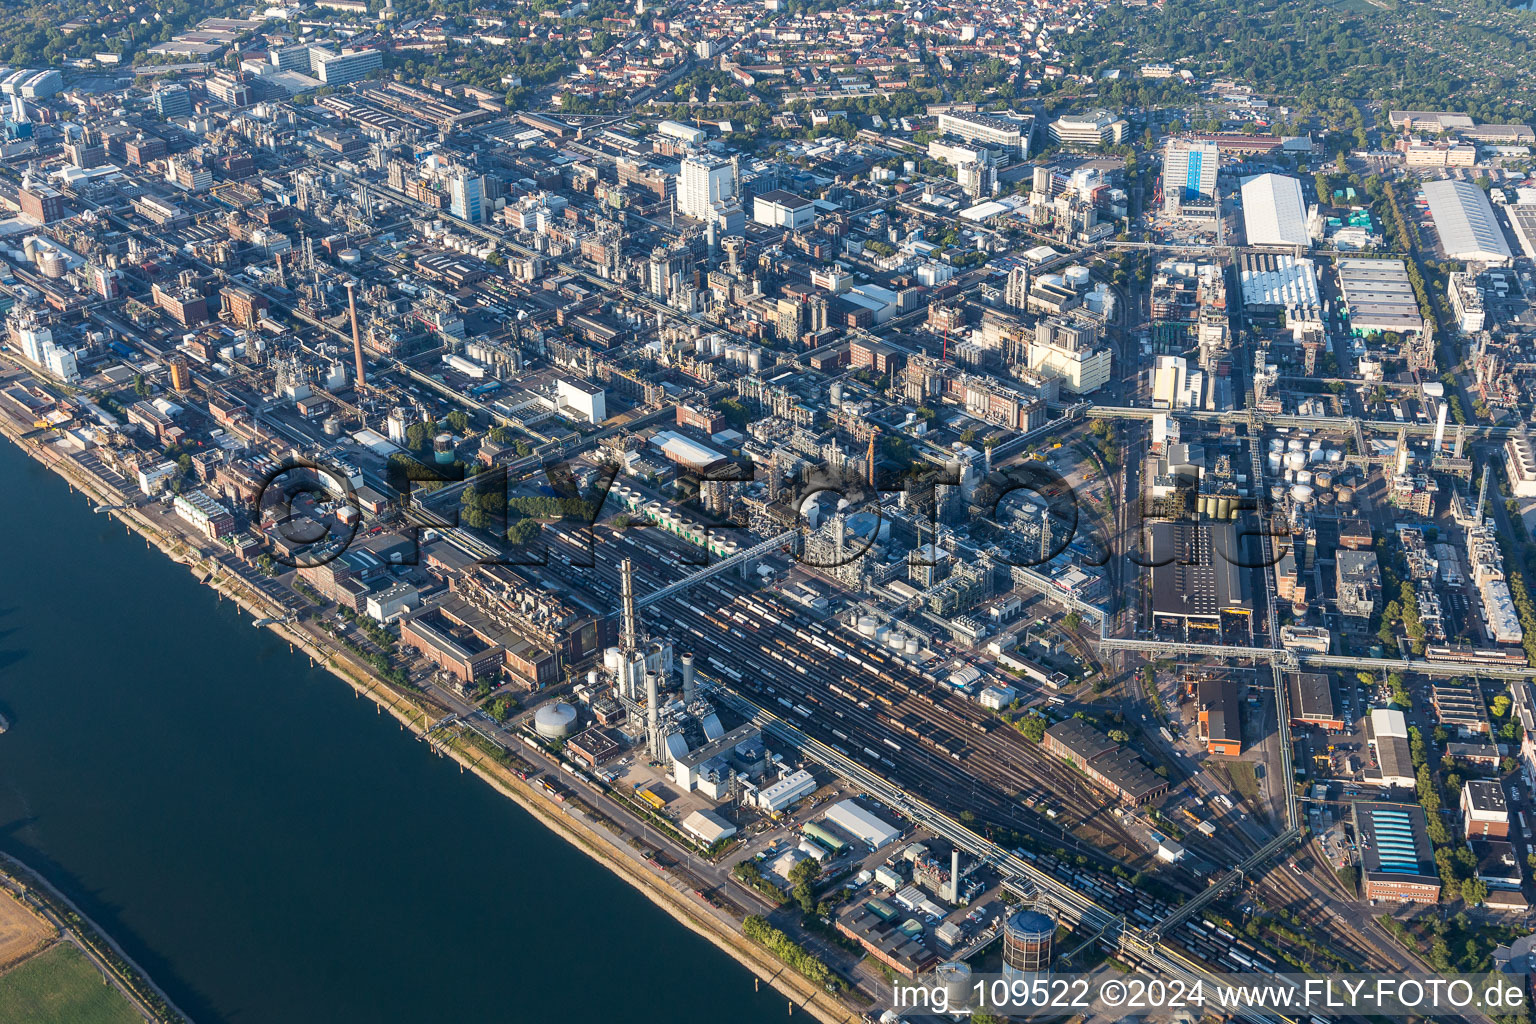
(801, 993)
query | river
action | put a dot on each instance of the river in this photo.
(269, 848)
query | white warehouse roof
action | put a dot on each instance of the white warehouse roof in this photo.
(1273, 211)
(1465, 222)
(860, 824)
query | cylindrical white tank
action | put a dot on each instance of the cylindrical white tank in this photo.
(1294, 445)
(1274, 463)
(867, 625)
(555, 721)
(1303, 477)
(1301, 493)
(1296, 460)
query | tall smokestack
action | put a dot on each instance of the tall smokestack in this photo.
(627, 591)
(653, 714)
(954, 875)
(1440, 429)
(688, 686)
(357, 339)
(1461, 437)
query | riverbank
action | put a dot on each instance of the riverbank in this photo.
(411, 713)
(70, 924)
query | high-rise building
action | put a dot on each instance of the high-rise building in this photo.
(1189, 175)
(181, 374)
(1096, 128)
(467, 196)
(704, 181)
(347, 66)
(173, 101)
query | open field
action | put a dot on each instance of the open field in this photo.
(21, 932)
(60, 986)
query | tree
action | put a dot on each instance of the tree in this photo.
(1033, 728)
(1500, 706)
(458, 421)
(802, 878)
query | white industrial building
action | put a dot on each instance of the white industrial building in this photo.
(1275, 282)
(1274, 212)
(786, 791)
(781, 209)
(703, 182)
(585, 400)
(1465, 222)
(708, 827)
(1189, 177)
(861, 824)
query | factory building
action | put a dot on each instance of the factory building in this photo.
(1274, 212)
(584, 400)
(781, 209)
(786, 791)
(1312, 702)
(1378, 295)
(1219, 723)
(1105, 762)
(1465, 222)
(1396, 859)
(1386, 733)
(862, 825)
(1200, 592)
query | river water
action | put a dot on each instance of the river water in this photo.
(268, 847)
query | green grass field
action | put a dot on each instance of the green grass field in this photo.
(60, 986)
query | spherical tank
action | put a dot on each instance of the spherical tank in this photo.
(555, 721)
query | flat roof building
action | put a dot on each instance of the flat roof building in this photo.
(1484, 809)
(1396, 859)
(1312, 702)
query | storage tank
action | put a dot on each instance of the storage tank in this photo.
(1303, 477)
(1290, 476)
(1277, 444)
(955, 980)
(1302, 493)
(442, 448)
(1346, 495)
(1296, 460)
(1335, 455)
(1294, 445)
(1324, 497)
(331, 427)
(1078, 278)
(1275, 462)
(898, 640)
(1313, 446)
(1226, 507)
(555, 721)
(1322, 479)
(914, 645)
(1316, 456)
(867, 625)
(1277, 492)
(1027, 939)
